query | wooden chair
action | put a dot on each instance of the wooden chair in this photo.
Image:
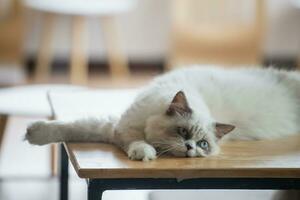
(241, 164)
(228, 32)
(78, 10)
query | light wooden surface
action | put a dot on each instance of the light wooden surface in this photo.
(277, 158)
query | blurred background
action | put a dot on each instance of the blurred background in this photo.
(120, 43)
(144, 36)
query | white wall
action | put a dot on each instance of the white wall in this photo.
(144, 31)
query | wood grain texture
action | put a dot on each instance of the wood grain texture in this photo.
(275, 158)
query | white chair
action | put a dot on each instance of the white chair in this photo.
(78, 9)
(30, 101)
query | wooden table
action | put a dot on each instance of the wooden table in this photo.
(241, 165)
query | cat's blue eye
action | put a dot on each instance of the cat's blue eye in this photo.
(203, 144)
(183, 132)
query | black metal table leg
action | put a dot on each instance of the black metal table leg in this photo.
(64, 174)
(94, 190)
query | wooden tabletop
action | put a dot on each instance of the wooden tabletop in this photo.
(277, 158)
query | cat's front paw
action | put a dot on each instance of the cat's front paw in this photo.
(141, 151)
(36, 133)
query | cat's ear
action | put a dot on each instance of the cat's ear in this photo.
(179, 105)
(223, 129)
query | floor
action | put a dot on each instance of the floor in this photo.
(25, 173)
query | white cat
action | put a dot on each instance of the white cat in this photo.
(186, 112)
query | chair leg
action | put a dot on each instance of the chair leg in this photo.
(79, 58)
(53, 159)
(43, 66)
(3, 122)
(116, 58)
(53, 156)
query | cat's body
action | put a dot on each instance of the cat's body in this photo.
(259, 103)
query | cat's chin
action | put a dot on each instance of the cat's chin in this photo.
(193, 154)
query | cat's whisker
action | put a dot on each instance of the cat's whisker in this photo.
(178, 144)
(166, 146)
(166, 150)
(160, 143)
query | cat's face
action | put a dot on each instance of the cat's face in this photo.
(181, 132)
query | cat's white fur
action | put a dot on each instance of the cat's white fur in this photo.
(260, 103)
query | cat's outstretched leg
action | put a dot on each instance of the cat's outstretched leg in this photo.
(91, 130)
(82, 130)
